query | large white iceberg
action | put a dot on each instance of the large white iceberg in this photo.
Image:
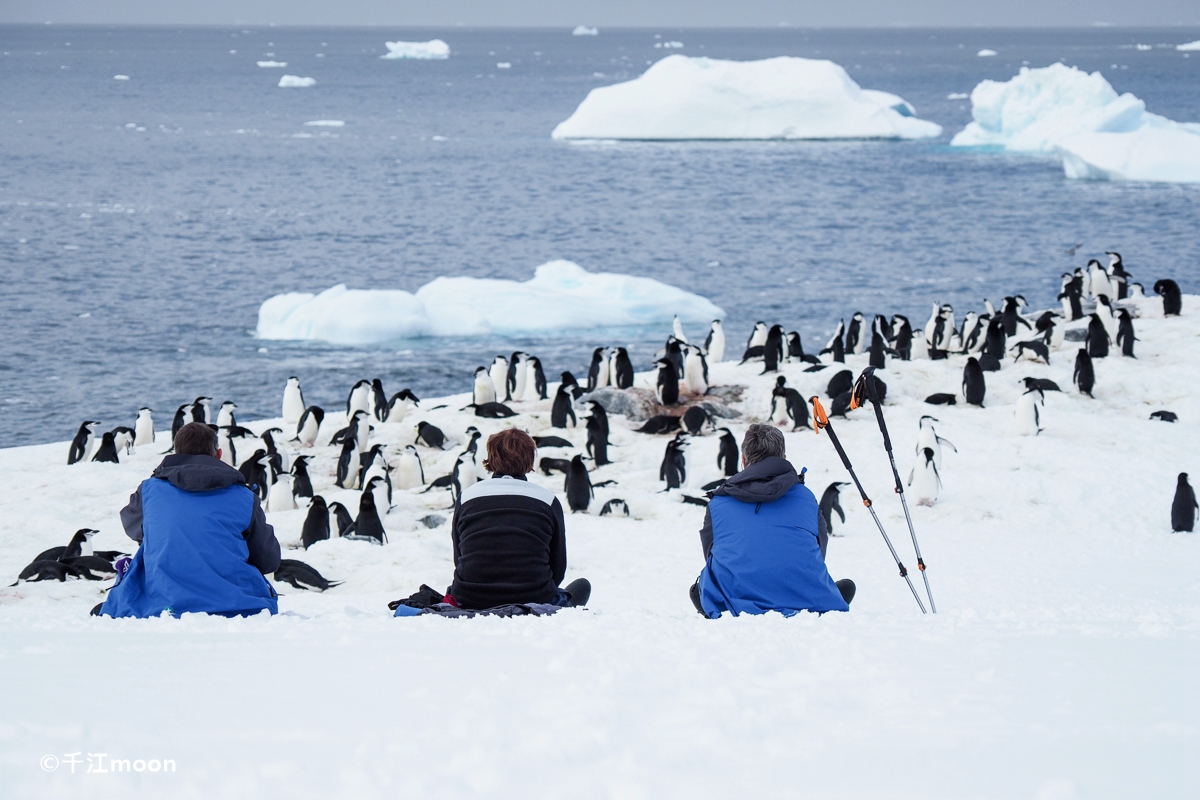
(562, 295)
(683, 97)
(1099, 134)
(1189, 46)
(434, 48)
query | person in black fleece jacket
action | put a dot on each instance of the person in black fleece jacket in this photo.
(509, 536)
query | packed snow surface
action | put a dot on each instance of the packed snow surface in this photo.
(1061, 663)
(435, 48)
(296, 82)
(561, 295)
(682, 97)
(584, 30)
(1189, 46)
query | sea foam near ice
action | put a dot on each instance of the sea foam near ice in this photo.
(296, 82)
(433, 49)
(682, 97)
(562, 295)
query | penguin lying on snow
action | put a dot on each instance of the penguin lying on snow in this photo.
(1041, 384)
(616, 508)
(551, 441)
(302, 576)
(431, 436)
(663, 423)
(1164, 416)
(549, 466)
(941, 399)
(493, 411)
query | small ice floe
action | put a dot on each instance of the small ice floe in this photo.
(668, 45)
(120, 77)
(325, 123)
(1189, 46)
(985, 53)
(433, 49)
(296, 82)
(957, 96)
(504, 65)
(584, 30)
(271, 64)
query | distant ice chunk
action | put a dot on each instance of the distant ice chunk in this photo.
(325, 123)
(683, 97)
(957, 96)
(1165, 155)
(669, 45)
(584, 30)
(562, 295)
(504, 65)
(271, 64)
(296, 82)
(120, 77)
(434, 48)
(1189, 46)
(985, 53)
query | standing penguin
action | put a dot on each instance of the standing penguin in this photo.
(673, 352)
(667, 386)
(1117, 275)
(758, 336)
(341, 518)
(409, 472)
(499, 376)
(1085, 376)
(1072, 298)
(902, 337)
(727, 453)
(854, 334)
(1097, 339)
(878, 360)
(359, 398)
(1172, 298)
(200, 410)
(225, 416)
(1183, 507)
(1125, 337)
(830, 502)
(144, 427)
(226, 448)
(563, 408)
(1098, 283)
(673, 469)
(379, 401)
(788, 406)
(281, 497)
(107, 451)
(773, 351)
(518, 376)
(597, 434)
(973, 385)
(301, 482)
(597, 377)
(81, 445)
(484, 390)
(836, 350)
(537, 378)
(1105, 312)
(714, 343)
(924, 479)
(368, 525)
(349, 464)
(310, 425)
(293, 401)
(927, 437)
(316, 524)
(621, 369)
(677, 330)
(695, 371)
(1029, 416)
(578, 486)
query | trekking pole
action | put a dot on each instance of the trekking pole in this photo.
(864, 389)
(821, 420)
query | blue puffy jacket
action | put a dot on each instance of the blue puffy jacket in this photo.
(205, 544)
(762, 542)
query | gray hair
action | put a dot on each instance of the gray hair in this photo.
(762, 441)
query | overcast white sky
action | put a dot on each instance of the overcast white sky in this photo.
(614, 13)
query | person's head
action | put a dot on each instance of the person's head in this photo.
(762, 441)
(510, 452)
(196, 439)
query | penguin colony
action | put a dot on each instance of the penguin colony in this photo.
(1095, 321)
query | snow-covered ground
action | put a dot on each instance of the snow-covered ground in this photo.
(1061, 665)
(774, 98)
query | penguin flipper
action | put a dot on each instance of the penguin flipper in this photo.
(837, 506)
(947, 441)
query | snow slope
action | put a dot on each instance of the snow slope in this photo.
(561, 295)
(1061, 664)
(776, 98)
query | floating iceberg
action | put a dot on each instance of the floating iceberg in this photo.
(985, 53)
(777, 98)
(435, 48)
(1166, 155)
(296, 82)
(271, 64)
(584, 30)
(120, 77)
(562, 295)
(325, 123)
(1189, 46)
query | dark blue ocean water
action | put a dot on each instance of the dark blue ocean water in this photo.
(142, 222)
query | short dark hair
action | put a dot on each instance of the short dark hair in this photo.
(510, 452)
(763, 441)
(196, 439)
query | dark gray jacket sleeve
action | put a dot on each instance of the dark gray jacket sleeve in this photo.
(131, 516)
(260, 538)
(822, 535)
(706, 534)
(558, 545)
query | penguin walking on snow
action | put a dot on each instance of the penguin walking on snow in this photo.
(1172, 297)
(667, 386)
(484, 390)
(309, 425)
(673, 469)
(714, 344)
(924, 480)
(1125, 337)
(727, 453)
(578, 486)
(927, 437)
(788, 406)
(144, 427)
(293, 401)
(81, 445)
(831, 502)
(973, 386)
(563, 408)
(1029, 412)
(1085, 376)
(1183, 507)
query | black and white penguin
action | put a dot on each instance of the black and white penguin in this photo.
(878, 358)
(537, 378)
(1097, 339)
(367, 525)
(79, 546)
(301, 482)
(1104, 311)
(563, 409)
(484, 390)
(567, 380)
(379, 401)
(302, 576)
(255, 470)
(1164, 416)
(615, 508)
(597, 376)
(773, 352)
(973, 385)
(927, 437)
(931, 325)
(621, 369)
(381, 488)
(996, 340)
(400, 404)
(787, 406)
(662, 423)
(107, 451)
(1011, 315)
(81, 445)
(1042, 384)
(1184, 506)
(1172, 297)
(696, 421)
(836, 349)
(518, 376)
(1085, 376)
(578, 486)
(843, 381)
(924, 481)
(855, 335)
(1117, 276)
(1125, 337)
(758, 336)
(1033, 350)
(430, 435)
(673, 352)
(281, 497)
(972, 332)
(901, 337)
(667, 387)
(714, 343)
(830, 502)
(144, 427)
(225, 415)
(409, 471)
(1098, 282)
(226, 451)
(201, 410)
(1071, 297)
(123, 439)
(293, 401)
(795, 349)
(673, 469)
(182, 417)
(1029, 412)
(349, 464)
(597, 434)
(695, 371)
(727, 453)
(359, 398)
(342, 520)
(677, 330)
(309, 425)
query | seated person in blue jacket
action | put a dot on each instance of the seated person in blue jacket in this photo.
(764, 540)
(205, 542)
(509, 537)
